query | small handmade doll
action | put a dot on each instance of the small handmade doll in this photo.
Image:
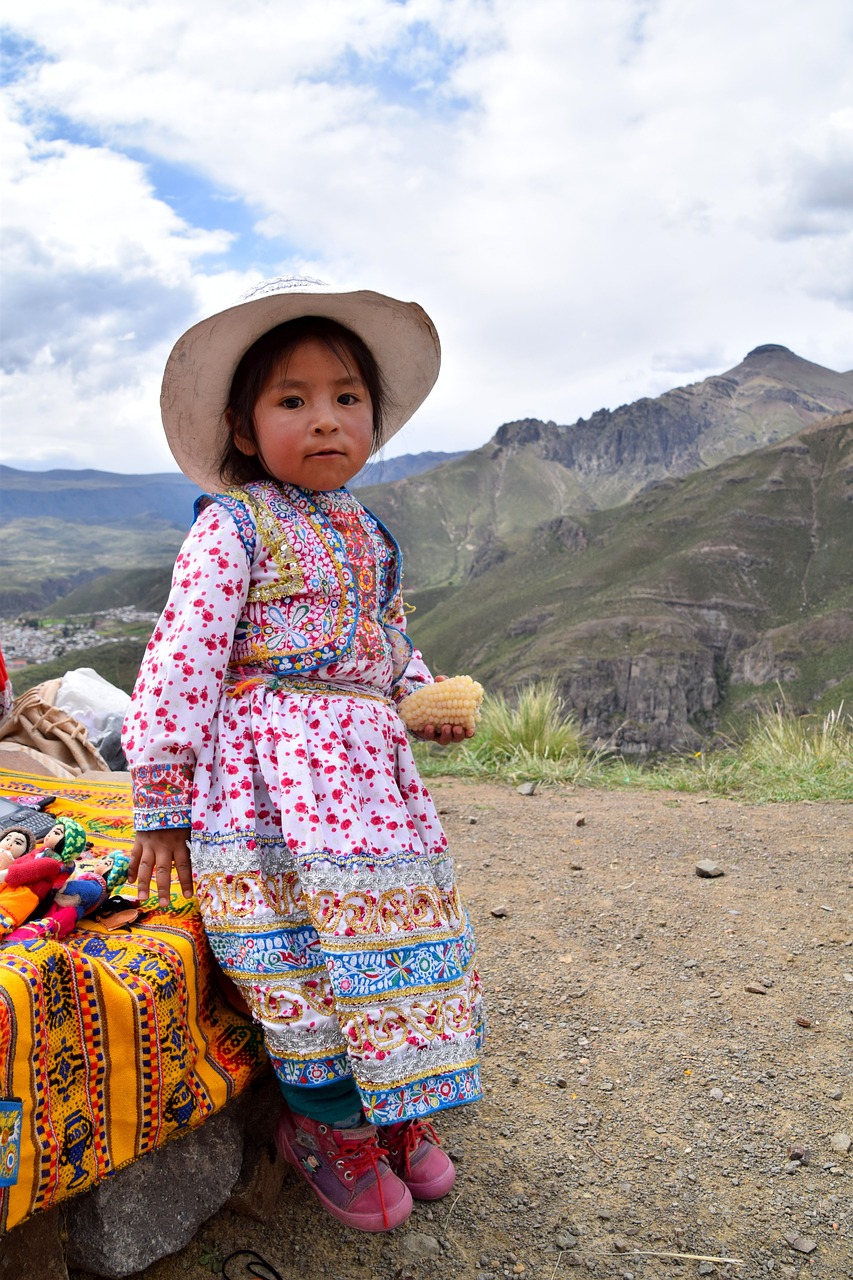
(80, 895)
(30, 878)
(14, 843)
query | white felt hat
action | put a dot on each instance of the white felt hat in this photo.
(198, 374)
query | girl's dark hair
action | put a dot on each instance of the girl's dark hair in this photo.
(258, 365)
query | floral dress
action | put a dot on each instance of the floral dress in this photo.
(265, 718)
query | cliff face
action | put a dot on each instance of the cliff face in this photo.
(533, 471)
(663, 621)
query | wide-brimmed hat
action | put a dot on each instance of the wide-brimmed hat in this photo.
(198, 375)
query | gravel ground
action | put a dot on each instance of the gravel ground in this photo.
(669, 1064)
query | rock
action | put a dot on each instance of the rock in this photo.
(33, 1251)
(709, 870)
(620, 1244)
(500, 913)
(580, 819)
(835, 1094)
(841, 1142)
(259, 1184)
(802, 1244)
(176, 1188)
(716, 1094)
(565, 1240)
(792, 1166)
(707, 1269)
(756, 989)
(526, 789)
(803, 1022)
(420, 1245)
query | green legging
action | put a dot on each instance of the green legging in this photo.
(338, 1103)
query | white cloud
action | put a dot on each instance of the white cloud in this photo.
(588, 198)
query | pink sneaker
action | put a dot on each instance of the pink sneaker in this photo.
(347, 1170)
(415, 1155)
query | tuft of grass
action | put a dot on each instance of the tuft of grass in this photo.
(784, 757)
(529, 739)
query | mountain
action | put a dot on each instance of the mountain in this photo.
(97, 497)
(461, 514)
(386, 470)
(664, 619)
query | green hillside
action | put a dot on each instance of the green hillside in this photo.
(682, 606)
(36, 553)
(533, 471)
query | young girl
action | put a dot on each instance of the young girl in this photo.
(267, 751)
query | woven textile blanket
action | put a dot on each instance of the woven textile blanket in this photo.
(111, 1041)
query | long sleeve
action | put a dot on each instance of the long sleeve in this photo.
(416, 673)
(181, 677)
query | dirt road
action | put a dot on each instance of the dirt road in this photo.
(669, 1064)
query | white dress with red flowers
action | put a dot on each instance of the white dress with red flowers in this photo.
(265, 717)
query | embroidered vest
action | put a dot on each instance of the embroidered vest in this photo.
(305, 617)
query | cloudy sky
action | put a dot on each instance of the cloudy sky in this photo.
(594, 199)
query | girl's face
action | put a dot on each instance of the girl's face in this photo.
(313, 420)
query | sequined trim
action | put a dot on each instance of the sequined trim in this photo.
(271, 530)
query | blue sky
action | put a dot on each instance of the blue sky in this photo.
(594, 201)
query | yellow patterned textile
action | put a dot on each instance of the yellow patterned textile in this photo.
(116, 1040)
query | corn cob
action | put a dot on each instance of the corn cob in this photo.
(455, 701)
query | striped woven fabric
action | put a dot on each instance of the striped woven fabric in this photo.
(111, 1041)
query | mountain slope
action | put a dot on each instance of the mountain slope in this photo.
(97, 497)
(533, 471)
(661, 617)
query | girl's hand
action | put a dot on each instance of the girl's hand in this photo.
(153, 853)
(444, 734)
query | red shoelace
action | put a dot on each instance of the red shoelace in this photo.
(360, 1156)
(403, 1140)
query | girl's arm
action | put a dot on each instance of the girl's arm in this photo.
(415, 676)
(177, 692)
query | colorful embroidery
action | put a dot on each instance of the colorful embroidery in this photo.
(321, 869)
(162, 796)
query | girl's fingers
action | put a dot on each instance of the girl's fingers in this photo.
(185, 873)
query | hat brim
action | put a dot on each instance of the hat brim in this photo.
(199, 371)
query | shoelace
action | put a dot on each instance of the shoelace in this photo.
(360, 1156)
(402, 1143)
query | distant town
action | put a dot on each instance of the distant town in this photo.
(29, 641)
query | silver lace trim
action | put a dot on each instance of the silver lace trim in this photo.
(323, 876)
(291, 1043)
(414, 1063)
(271, 857)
